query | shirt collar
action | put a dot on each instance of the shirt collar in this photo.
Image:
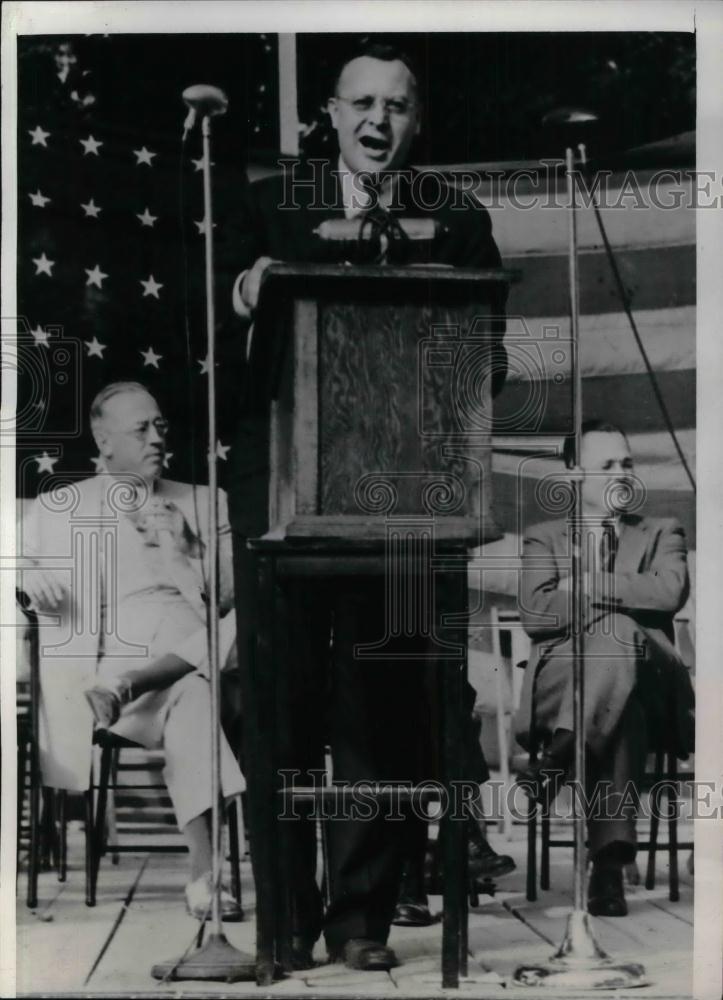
(354, 198)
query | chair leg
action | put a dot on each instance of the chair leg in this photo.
(61, 799)
(532, 854)
(34, 854)
(545, 849)
(46, 844)
(111, 813)
(673, 884)
(233, 835)
(95, 829)
(326, 879)
(654, 825)
(21, 787)
(89, 862)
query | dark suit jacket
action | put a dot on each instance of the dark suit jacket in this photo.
(277, 218)
(650, 585)
(279, 214)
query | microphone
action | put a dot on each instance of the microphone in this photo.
(351, 230)
(203, 99)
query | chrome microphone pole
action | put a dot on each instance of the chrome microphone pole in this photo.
(216, 959)
(579, 963)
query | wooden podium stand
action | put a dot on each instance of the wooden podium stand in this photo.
(381, 419)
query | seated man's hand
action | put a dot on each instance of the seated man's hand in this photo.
(164, 520)
(251, 284)
(44, 587)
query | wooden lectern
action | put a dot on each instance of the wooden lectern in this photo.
(381, 421)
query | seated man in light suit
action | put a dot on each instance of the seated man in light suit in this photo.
(142, 599)
(637, 689)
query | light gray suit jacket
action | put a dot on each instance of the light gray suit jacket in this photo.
(650, 584)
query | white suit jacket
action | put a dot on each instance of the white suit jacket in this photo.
(75, 530)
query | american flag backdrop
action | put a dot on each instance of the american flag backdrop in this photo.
(101, 265)
(106, 206)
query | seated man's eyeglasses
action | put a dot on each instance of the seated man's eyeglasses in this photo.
(141, 431)
(399, 107)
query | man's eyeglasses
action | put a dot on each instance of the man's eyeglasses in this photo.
(397, 107)
(141, 431)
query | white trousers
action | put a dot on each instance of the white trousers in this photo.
(178, 720)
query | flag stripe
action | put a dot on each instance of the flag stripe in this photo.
(607, 346)
(543, 227)
(526, 408)
(655, 277)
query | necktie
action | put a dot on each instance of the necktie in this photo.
(380, 225)
(608, 547)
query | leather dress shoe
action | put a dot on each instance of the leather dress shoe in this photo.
(364, 955)
(412, 913)
(484, 861)
(412, 909)
(302, 953)
(605, 893)
(484, 864)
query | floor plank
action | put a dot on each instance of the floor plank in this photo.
(57, 945)
(55, 955)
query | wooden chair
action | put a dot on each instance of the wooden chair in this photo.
(664, 774)
(151, 797)
(46, 828)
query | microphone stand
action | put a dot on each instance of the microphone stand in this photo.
(217, 960)
(579, 963)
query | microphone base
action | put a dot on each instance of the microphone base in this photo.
(581, 964)
(215, 961)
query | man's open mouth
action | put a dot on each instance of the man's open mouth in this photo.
(373, 144)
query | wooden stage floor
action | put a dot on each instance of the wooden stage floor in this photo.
(64, 948)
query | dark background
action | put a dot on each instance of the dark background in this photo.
(485, 94)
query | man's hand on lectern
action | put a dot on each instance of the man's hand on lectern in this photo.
(251, 284)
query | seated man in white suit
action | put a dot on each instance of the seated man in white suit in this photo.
(115, 565)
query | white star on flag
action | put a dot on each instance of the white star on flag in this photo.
(40, 336)
(198, 164)
(91, 209)
(95, 348)
(203, 362)
(201, 225)
(146, 219)
(222, 450)
(39, 136)
(167, 458)
(90, 145)
(143, 156)
(43, 265)
(151, 287)
(45, 462)
(150, 357)
(95, 277)
(38, 199)
(99, 463)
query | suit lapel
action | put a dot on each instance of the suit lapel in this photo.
(633, 542)
(328, 190)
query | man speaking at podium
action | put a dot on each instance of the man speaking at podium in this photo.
(375, 710)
